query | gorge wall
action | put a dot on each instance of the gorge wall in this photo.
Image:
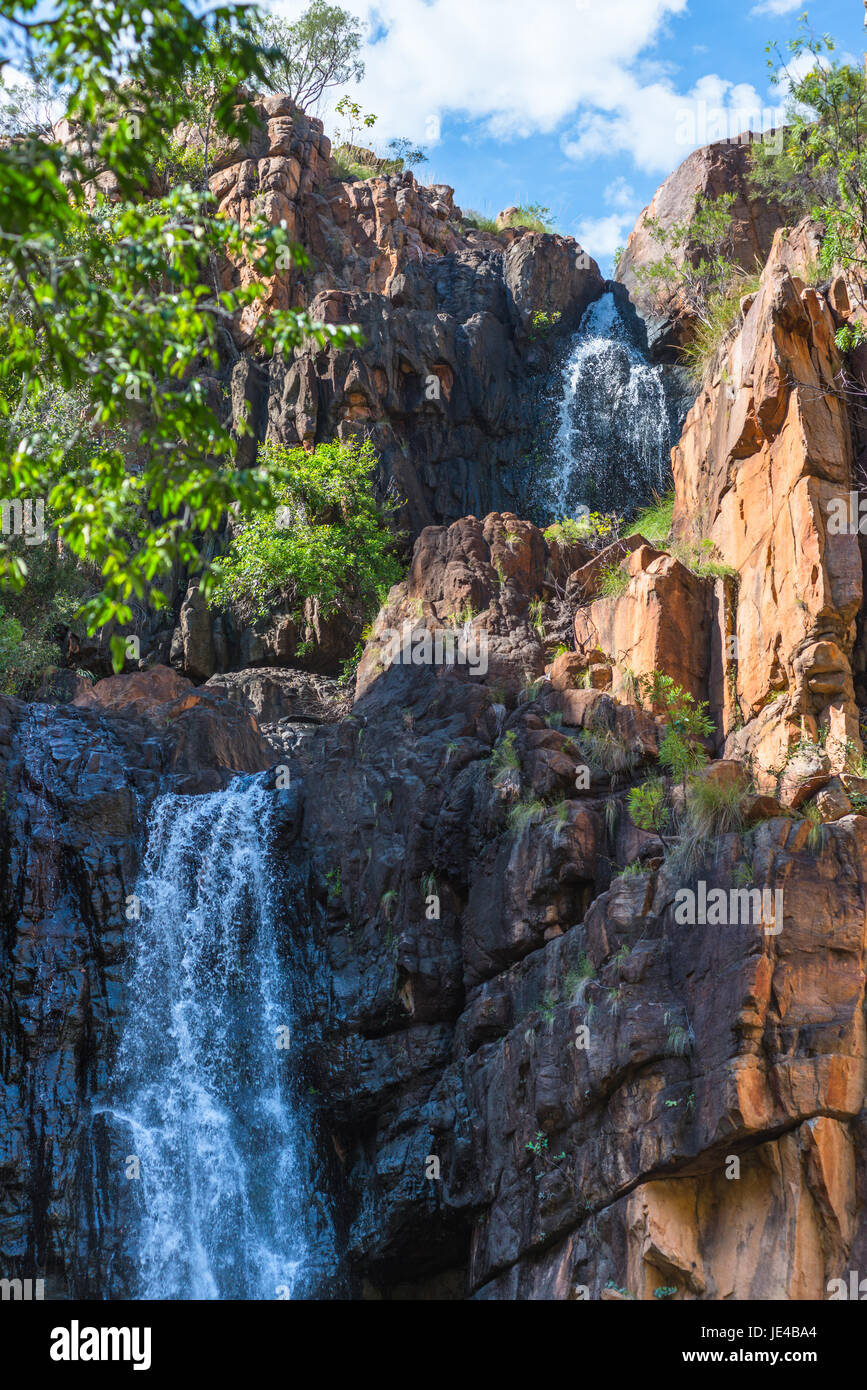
(523, 1076)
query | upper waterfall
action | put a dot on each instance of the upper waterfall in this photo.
(615, 419)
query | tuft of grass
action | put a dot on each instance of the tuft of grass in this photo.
(654, 523)
(613, 581)
(581, 972)
(817, 831)
(531, 217)
(607, 752)
(525, 813)
(480, 221)
(504, 758)
(713, 810)
(722, 314)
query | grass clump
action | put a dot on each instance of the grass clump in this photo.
(721, 314)
(613, 581)
(481, 222)
(531, 217)
(504, 758)
(607, 752)
(591, 528)
(655, 522)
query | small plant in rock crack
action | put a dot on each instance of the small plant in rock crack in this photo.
(648, 807)
(388, 902)
(621, 955)
(504, 758)
(665, 1291)
(537, 608)
(607, 752)
(744, 875)
(547, 1007)
(582, 970)
(613, 581)
(817, 829)
(524, 814)
(332, 878)
(632, 870)
(538, 1146)
(680, 1038)
(619, 1288)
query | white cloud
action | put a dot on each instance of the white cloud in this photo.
(619, 194)
(515, 68)
(659, 126)
(777, 7)
(601, 236)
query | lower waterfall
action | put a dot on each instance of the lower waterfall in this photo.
(201, 1093)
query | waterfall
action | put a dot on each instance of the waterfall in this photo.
(614, 427)
(201, 1093)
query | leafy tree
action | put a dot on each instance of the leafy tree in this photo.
(822, 167)
(31, 107)
(112, 303)
(408, 154)
(310, 55)
(697, 266)
(327, 539)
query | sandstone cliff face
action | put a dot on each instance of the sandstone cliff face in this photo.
(765, 451)
(707, 173)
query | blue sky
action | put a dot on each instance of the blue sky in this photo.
(583, 106)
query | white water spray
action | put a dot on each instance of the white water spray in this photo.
(200, 1090)
(613, 434)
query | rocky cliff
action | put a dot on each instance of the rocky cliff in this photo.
(528, 1074)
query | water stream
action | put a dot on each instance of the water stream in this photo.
(202, 1091)
(614, 427)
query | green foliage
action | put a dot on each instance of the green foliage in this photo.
(648, 806)
(311, 54)
(327, 539)
(722, 313)
(182, 164)
(524, 814)
(665, 1291)
(817, 830)
(613, 581)
(590, 528)
(543, 323)
(504, 758)
(537, 622)
(696, 266)
(850, 336)
(655, 523)
(714, 808)
(531, 217)
(582, 971)
(608, 752)
(117, 302)
(687, 723)
(822, 167)
(480, 221)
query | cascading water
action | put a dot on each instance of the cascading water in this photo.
(614, 426)
(201, 1094)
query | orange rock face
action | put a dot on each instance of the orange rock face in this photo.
(765, 452)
